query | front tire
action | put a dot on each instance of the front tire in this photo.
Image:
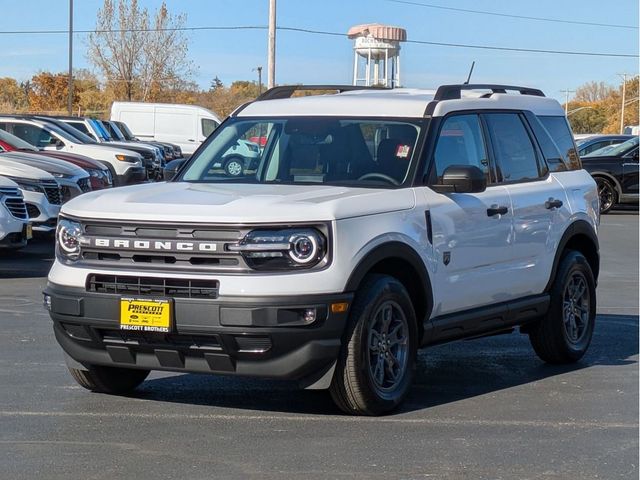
(376, 365)
(607, 194)
(564, 334)
(234, 167)
(111, 380)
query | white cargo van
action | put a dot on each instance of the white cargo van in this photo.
(185, 125)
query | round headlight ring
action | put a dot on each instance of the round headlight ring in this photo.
(68, 237)
(304, 247)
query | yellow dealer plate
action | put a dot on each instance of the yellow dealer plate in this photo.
(145, 315)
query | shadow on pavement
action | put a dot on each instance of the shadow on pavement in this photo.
(34, 261)
(445, 374)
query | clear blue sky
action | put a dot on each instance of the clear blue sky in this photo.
(304, 58)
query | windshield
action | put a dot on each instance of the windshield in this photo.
(72, 134)
(100, 130)
(124, 129)
(113, 130)
(15, 142)
(615, 150)
(307, 150)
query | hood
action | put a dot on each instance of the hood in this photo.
(79, 160)
(56, 167)
(183, 202)
(101, 149)
(136, 147)
(16, 170)
(7, 183)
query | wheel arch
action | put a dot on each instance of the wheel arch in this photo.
(579, 236)
(609, 177)
(402, 262)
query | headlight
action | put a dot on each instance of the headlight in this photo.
(68, 236)
(126, 158)
(282, 249)
(32, 187)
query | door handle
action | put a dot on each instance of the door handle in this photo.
(191, 140)
(552, 203)
(496, 210)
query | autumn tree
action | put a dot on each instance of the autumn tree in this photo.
(593, 92)
(13, 96)
(49, 92)
(136, 52)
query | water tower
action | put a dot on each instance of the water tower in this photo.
(377, 46)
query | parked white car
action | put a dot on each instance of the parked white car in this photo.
(126, 165)
(185, 125)
(378, 222)
(15, 229)
(42, 194)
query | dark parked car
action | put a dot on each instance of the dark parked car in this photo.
(615, 170)
(596, 142)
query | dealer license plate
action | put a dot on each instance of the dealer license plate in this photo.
(28, 231)
(145, 315)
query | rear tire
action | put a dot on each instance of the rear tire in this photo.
(109, 379)
(376, 365)
(607, 194)
(564, 334)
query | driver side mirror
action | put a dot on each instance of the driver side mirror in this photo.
(461, 179)
(173, 167)
(55, 142)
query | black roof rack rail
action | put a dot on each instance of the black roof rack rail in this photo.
(287, 91)
(453, 92)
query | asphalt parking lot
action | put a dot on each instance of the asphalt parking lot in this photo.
(483, 409)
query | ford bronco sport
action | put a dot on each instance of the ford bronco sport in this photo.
(377, 222)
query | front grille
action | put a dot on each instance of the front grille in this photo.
(150, 286)
(32, 210)
(84, 184)
(52, 191)
(137, 259)
(150, 340)
(16, 207)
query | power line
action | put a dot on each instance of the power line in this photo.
(482, 47)
(335, 34)
(522, 17)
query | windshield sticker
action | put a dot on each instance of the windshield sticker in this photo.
(403, 151)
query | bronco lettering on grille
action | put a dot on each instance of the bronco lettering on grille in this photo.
(165, 245)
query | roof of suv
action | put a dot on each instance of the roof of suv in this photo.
(398, 102)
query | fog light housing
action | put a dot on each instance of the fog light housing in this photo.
(46, 300)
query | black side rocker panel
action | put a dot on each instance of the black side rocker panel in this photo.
(484, 320)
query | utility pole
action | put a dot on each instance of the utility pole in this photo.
(271, 60)
(259, 70)
(70, 87)
(566, 99)
(624, 93)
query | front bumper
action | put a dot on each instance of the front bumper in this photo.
(233, 335)
(133, 176)
(42, 214)
(13, 232)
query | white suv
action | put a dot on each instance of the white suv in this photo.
(15, 229)
(377, 222)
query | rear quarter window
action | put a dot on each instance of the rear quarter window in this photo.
(559, 131)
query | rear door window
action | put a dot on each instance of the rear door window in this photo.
(515, 154)
(559, 130)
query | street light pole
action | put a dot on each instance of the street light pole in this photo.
(566, 100)
(70, 87)
(271, 60)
